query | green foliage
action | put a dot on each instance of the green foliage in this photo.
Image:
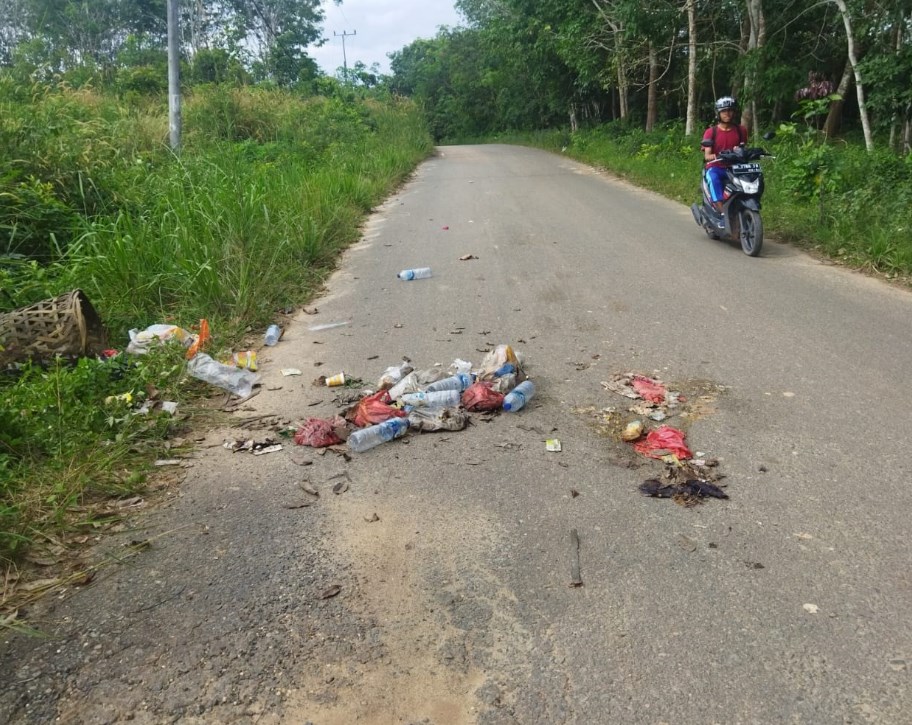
(31, 215)
(248, 219)
(62, 425)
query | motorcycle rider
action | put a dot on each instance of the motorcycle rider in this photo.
(724, 135)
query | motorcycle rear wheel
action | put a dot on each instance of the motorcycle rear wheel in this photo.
(751, 232)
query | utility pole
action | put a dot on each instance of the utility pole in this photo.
(174, 99)
(344, 34)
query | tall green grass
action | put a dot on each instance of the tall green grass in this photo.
(247, 219)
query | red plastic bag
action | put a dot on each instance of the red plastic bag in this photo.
(480, 396)
(374, 409)
(664, 440)
(317, 433)
(649, 389)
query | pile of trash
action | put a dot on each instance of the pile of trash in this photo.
(689, 479)
(433, 399)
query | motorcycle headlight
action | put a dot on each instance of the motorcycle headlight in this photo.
(750, 187)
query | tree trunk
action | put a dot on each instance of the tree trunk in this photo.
(859, 83)
(651, 104)
(834, 117)
(691, 68)
(756, 36)
(621, 60)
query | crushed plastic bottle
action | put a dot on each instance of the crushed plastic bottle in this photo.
(459, 382)
(235, 380)
(417, 273)
(434, 399)
(366, 438)
(273, 333)
(519, 396)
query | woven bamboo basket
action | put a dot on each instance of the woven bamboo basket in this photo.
(66, 325)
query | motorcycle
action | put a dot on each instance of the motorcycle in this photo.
(742, 191)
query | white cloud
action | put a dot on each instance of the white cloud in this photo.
(381, 27)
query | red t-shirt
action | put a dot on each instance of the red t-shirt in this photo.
(725, 140)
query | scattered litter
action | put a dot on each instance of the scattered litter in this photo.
(326, 325)
(481, 396)
(433, 419)
(467, 257)
(269, 449)
(301, 505)
(417, 273)
(169, 407)
(373, 409)
(689, 493)
(287, 372)
(311, 312)
(334, 381)
(553, 445)
(811, 608)
(319, 433)
(330, 592)
(234, 380)
(340, 487)
(249, 445)
(393, 375)
(576, 579)
(633, 431)
(246, 360)
(574, 493)
(663, 441)
(140, 342)
(649, 389)
(168, 462)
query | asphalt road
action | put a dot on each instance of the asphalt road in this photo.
(788, 602)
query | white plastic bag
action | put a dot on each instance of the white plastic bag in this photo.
(157, 335)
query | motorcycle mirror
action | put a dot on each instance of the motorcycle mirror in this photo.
(769, 135)
(706, 143)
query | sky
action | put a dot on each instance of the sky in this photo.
(382, 26)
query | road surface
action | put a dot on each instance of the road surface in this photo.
(788, 602)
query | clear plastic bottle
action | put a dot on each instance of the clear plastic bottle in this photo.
(434, 399)
(366, 438)
(235, 380)
(417, 273)
(519, 396)
(459, 381)
(273, 333)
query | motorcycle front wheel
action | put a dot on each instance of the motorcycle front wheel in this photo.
(751, 232)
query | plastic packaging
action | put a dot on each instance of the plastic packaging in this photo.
(393, 375)
(334, 381)
(459, 382)
(417, 273)
(408, 384)
(435, 399)
(273, 333)
(519, 396)
(237, 381)
(366, 438)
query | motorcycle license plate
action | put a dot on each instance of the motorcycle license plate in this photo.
(745, 168)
